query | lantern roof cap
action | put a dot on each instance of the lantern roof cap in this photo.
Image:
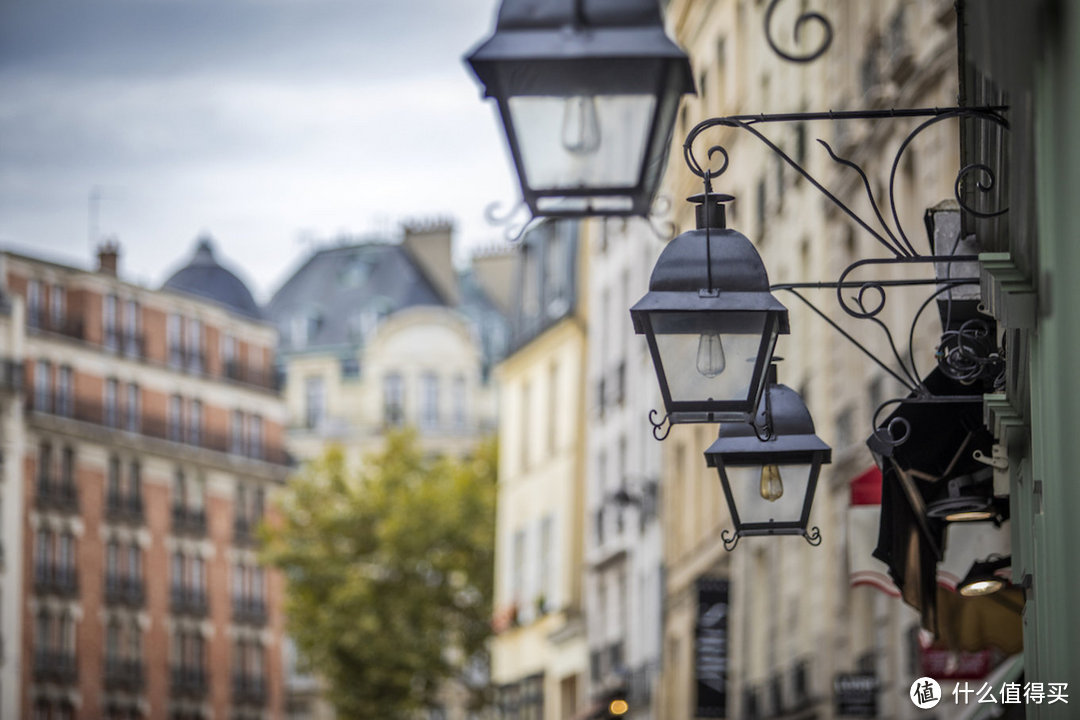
(792, 432)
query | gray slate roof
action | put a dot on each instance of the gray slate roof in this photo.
(339, 286)
(205, 277)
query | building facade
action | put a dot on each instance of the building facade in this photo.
(798, 628)
(539, 655)
(623, 545)
(144, 441)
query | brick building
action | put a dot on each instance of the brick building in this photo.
(149, 435)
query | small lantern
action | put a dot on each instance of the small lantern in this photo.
(710, 321)
(587, 92)
(968, 498)
(769, 483)
(984, 577)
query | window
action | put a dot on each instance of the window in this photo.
(67, 468)
(350, 367)
(57, 307)
(429, 411)
(133, 415)
(195, 420)
(132, 339)
(460, 402)
(110, 402)
(45, 468)
(112, 488)
(108, 323)
(517, 578)
(255, 444)
(64, 403)
(228, 357)
(545, 586)
(194, 345)
(176, 348)
(526, 391)
(33, 303)
(42, 377)
(236, 433)
(552, 409)
(393, 400)
(175, 418)
(315, 395)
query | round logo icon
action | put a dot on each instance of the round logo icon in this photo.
(925, 693)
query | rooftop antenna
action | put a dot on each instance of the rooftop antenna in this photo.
(92, 219)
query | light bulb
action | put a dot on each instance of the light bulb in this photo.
(710, 355)
(982, 587)
(580, 127)
(771, 486)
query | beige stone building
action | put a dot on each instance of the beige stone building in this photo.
(796, 624)
(539, 658)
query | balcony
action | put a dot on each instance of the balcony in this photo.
(59, 581)
(188, 601)
(124, 508)
(244, 531)
(248, 690)
(123, 674)
(55, 666)
(188, 521)
(189, 682)
(152, 426)
(249, 611)
(58, 495)
(124, 591)
(71, 327)
(238, 373)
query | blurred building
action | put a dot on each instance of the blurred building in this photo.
(539, 656)
(798, 627)
(377, 335)
(624, 575)
(138, 450)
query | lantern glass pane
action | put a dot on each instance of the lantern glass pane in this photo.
(747, 488)
(709, 356)
(583, 141)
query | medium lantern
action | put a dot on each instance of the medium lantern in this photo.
(588, 92)
(710, 321)
(769, 483)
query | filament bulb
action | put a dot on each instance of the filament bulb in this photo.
(581, 127)
(771, 486)
(710, 355)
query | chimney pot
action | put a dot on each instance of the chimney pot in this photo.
(108, 257)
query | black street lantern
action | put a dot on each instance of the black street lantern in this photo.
(769, 483)
(710, 321)
(588, 92)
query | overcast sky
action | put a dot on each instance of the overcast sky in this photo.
(270, 124)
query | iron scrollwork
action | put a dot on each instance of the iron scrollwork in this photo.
(801, 22)
(966, 354)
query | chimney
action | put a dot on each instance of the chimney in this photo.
(494, 270)
(108, 257)
(428, 243)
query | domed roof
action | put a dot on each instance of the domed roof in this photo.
(205, 277)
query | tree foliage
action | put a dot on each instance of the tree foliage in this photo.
(389, 573)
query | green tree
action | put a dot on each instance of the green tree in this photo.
(389, 573)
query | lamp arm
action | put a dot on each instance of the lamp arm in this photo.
(896, 242)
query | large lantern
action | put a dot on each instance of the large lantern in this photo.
(710, 321)
(588, 92)
(769, 483)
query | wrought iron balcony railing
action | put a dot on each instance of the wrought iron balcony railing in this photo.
(248, 689)
(55, 666)
(56, 494)
(188, 521)
(55, 580)
(249, 611)
(123, 674)
(124, 591)
(124, 508)
(188, 681)
(188, 601)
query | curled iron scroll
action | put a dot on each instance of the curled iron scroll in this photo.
(813, 536)
(730, 539)
(660, 428)
(804, 18)
(986, 186)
